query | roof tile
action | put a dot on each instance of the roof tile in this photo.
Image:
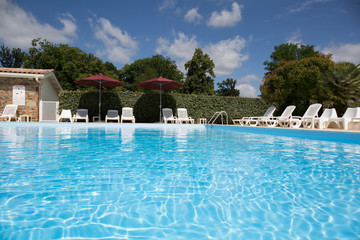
(24, 70)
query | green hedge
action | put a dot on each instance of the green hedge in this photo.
(146, 105)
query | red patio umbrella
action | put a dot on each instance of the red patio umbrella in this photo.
(99, 80)
(160, 83)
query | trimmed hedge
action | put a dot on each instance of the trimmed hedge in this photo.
(146, 105)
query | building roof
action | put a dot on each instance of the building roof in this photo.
(37, 74)
(24, 70)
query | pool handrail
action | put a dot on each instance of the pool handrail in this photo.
(216, 116)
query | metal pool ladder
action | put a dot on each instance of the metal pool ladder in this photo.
(216, 116)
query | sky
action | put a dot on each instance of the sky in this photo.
(237, 35)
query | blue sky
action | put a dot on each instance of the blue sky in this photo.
(238, 35)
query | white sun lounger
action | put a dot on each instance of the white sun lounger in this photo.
(183, 116)
(65, 114)
(9, 112)
(81, 114)
(283, 120)
(321, 121)
(127, 114)
(112, 115)
(355, 120)
(344, 121)
(168, 115)
(307, 120)
(254, 121)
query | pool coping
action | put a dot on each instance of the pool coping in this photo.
(315, 134)
(103, 125)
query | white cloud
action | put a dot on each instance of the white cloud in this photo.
(248, 79)
(295, 37)
(181, 49)
(226, 18)
(162, 45)
(119, 46)
(193, 16)
(246, 90)
(183, 46)
(345, 52)
(227, 55)
(167, 4)
(306, 5)
(18, 27)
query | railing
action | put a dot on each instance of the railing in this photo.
(216, 116)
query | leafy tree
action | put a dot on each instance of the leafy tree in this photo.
(149, 73)
(13, 58)
(342, 86)
(148, 68)
(297, 82)
(200, 69)
(227, 88)
(69, 63)
(289, 51)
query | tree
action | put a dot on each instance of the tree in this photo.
(297, 82)
(227, 88)
(148, 68)
(289, 51)
(342, 86)
(69, 63)
(200, 69)
(13, 58)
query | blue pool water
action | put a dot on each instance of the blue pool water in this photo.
(80, 181)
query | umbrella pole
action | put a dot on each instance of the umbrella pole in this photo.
(99, 101)
(160, 102)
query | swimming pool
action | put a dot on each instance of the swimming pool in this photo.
(102, 181)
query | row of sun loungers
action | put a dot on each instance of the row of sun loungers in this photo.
(112, 115)
(10, 110)
(182, 117)
(309, 120)
(127, 115)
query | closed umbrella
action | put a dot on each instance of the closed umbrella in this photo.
(99, 80)
(160, 83)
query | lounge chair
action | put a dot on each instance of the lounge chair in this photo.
(112, 115)
(168, 115)
(349, 114)
(307, 120)
(254, 121)
(10, 112)
(81, 114)
(65, 114)
(127, 114)
(283, 120)
(183, 116)
(321, 121)
(355, 119)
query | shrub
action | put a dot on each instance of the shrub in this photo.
(146, 105)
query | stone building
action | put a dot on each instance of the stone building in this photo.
(35, 91)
